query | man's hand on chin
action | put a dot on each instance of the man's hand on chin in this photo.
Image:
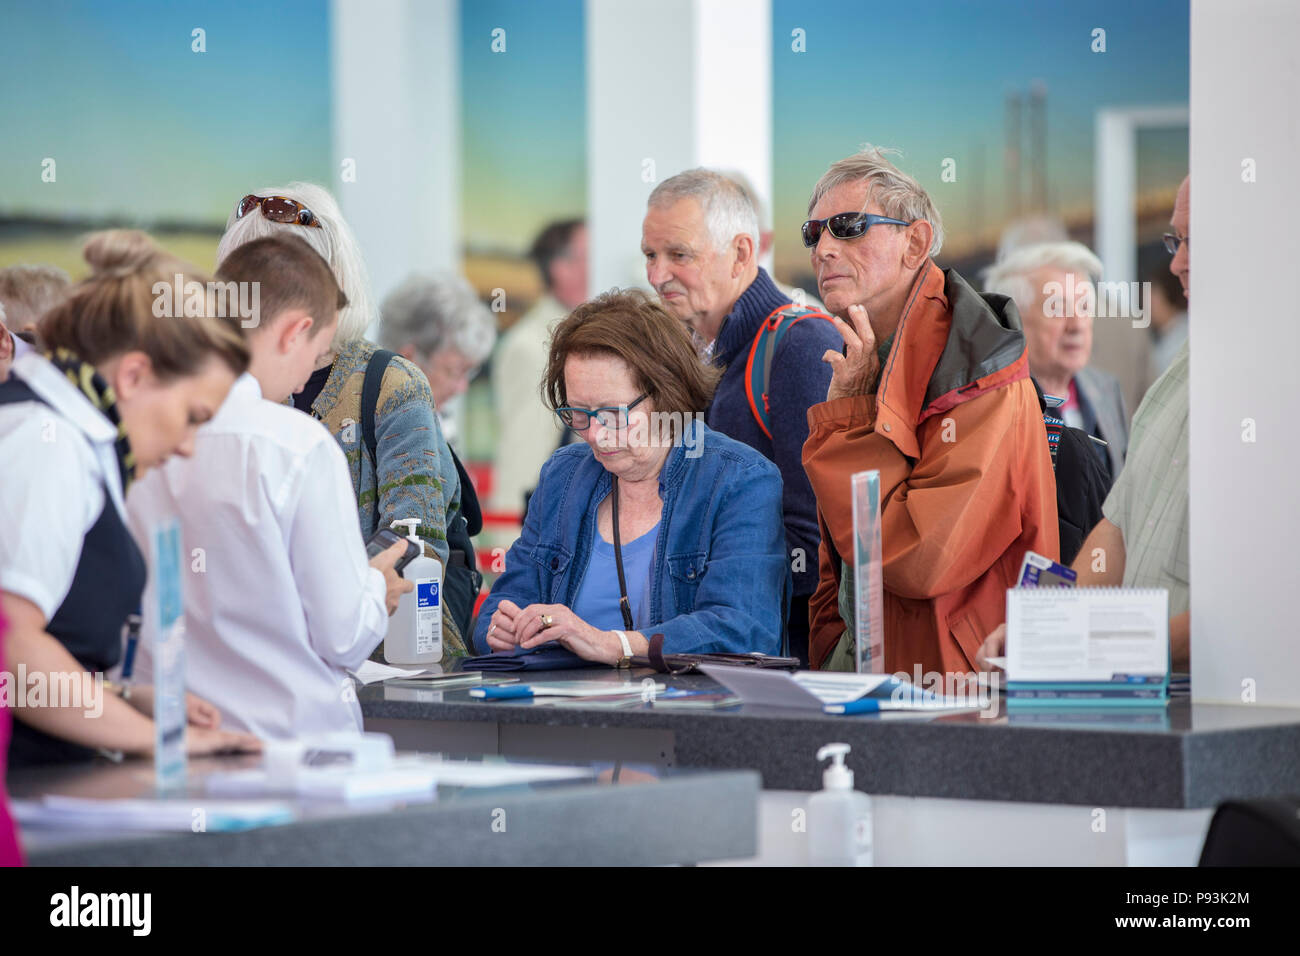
(856, 371)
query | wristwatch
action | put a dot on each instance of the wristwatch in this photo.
(626, 659)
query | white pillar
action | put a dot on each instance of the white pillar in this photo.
(396, 115)
(670, 86)
(1245, 334)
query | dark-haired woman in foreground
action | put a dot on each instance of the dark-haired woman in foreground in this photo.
(122, 389)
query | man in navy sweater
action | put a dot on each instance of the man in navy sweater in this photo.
(700, 241)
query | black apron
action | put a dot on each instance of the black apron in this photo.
(107, 586)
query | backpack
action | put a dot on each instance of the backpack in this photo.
(758, 369)
(461, 580)
(1082, 481)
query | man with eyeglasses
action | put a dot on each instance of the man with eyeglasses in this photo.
(700, 239)
(1142, 540)
(932, 389)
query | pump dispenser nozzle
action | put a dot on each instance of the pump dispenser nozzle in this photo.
(836, 776)
(411, 524)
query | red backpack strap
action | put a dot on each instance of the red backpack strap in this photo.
(758, 367)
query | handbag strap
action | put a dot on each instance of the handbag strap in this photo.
(624, 604)
(655, 655)
(370, 387)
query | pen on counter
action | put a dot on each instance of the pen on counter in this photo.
(863, 705)
(128, 658)
(508, 692)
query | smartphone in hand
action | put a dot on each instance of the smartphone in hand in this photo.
(384, 539)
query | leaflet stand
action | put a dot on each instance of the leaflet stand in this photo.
(168, 661)
(868, 610)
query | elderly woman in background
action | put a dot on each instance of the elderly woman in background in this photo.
(1054, 287)
(654, 524)
(410, 472)
(26, 293)
(438, 322)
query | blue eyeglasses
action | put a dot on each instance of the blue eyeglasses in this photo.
(611, 416)
(845, 225)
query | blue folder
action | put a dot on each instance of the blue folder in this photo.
(547, 657)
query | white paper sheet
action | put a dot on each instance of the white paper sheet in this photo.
(371, 672)
(328, 783)
(472, 773)
(145, 814)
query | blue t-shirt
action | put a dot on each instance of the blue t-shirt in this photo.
(597, 599)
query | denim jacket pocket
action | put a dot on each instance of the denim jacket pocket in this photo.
(686, 570)
(552, 561)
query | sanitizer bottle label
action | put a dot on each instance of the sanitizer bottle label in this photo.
(428, 616)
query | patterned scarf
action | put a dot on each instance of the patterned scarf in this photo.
(90, 383)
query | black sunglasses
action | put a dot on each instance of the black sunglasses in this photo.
(1172, 242)
(845, 225)
(611, 416)
(278, 209)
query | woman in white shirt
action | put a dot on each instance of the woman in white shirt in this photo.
(126, 383)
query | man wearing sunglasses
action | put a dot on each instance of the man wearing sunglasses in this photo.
(700, 238)
(931, 387)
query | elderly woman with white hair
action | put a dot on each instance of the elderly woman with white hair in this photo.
(439, 323)
(407, 471)
(1054, 287)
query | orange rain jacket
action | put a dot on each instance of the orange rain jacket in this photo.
(957, 515)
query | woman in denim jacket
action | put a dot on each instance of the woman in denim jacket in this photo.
(697, 515)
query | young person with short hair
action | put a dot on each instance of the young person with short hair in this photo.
(280, 601)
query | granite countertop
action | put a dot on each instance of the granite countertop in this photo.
(1183, 756)
(624, 816)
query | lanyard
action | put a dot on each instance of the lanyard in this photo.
(128, 659)
(624, 604)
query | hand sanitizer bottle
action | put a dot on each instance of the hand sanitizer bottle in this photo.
(415, 629)
(839, 818)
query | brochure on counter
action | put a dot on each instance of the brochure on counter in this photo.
(832, 692)
(1100, 647)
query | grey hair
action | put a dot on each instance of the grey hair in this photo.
(434, 311)
(747, 187)
(31, 291)
(334, 242)
(727, 207)
(898, 194)
(1030, 231)
(1010, 276)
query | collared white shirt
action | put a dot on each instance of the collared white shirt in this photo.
(21, 347)
(279, 598)
(55, 462)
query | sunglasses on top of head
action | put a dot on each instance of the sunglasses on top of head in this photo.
(845, 225)
(278, 209)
